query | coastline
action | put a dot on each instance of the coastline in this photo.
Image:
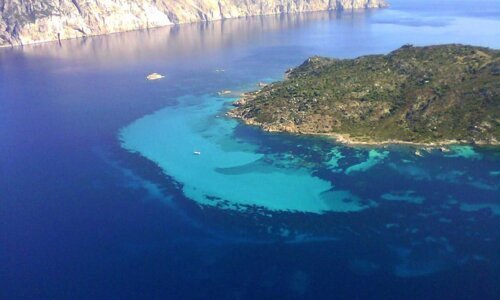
(403, 110)
(346, 139)
(182, 22)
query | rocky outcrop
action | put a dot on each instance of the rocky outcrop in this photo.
(26, 22)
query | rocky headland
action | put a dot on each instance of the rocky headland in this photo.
(432, 96)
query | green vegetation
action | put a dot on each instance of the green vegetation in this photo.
(414, 94)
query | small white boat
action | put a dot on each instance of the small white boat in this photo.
(154, 76)
(197, 152)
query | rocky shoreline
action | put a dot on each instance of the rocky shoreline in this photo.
(346, 139)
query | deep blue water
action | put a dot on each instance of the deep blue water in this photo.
(81, 216)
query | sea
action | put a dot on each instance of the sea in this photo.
(116, 187)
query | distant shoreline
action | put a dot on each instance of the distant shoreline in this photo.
(92, 22)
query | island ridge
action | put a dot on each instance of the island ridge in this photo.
(431, 95)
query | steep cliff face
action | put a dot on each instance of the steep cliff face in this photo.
(25, 22)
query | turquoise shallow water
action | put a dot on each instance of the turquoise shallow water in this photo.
(242, 169)
(232, 172)
(229, 173)
(374, 157)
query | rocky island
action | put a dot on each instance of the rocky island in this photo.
(432, 95)
(27, 22)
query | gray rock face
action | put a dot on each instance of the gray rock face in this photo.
(34, 21)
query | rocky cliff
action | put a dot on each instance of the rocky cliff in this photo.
(33, 21)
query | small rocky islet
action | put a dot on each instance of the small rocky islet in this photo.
(435, 95)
